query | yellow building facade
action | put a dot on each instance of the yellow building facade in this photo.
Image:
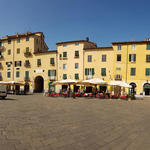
(26, 58)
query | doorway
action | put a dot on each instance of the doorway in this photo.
(38, 84)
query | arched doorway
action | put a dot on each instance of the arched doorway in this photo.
(132, 90)
(146, 88)
(38, 84)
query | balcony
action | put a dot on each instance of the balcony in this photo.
(52, 78)
(1, 67)
(52, 64)
(27, 65)
(1, 48)
(27, 54)
(26, 78)
(1, 57)
(88, 77)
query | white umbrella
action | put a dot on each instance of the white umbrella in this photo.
(97, 81)
(65, 82)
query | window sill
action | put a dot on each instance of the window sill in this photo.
(65, 58)
(76, 57)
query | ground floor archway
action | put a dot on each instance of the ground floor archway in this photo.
(146, 88)
(132, 90)
(38, 84)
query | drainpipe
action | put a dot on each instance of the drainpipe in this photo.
(127, 65)
(13, 59)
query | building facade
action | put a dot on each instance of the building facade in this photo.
(26, 58)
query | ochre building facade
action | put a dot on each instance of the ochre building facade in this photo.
(25, 58)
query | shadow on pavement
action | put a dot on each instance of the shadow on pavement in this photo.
(8, 99)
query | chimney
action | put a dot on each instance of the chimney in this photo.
(87, 39)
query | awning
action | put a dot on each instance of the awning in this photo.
(146, 87)
(50, 82)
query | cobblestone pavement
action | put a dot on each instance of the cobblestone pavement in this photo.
(36, 122)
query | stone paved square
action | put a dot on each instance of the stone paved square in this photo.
(35, 122)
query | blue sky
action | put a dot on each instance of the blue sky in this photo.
(103, 21)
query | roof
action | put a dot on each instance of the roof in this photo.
(20, 35)
(44, 52)
(99, 48)
(67, 42)
(131, 42)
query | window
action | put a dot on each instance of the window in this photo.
(8, 74)
(76, 76)
(89, 58)
(148, 46)
(118, 69)
(76, 44)
(132, 57)
(17, 74)
(147, 58)
(38, 62)
(51, 73)
(147, 71)
(26, 75)
(60, 55)
(133, 71)
(1, 54)
(76, 53)
(9, 52)
(103, 58)
(89, 71)
(133, 46)
(64, 76)
(27, 63)
(0, 44)
(9, 41)
(119, 47)
(64, 45)
(76, 65)
(64, 54)
(64, 66)
(103, 71)
(17, 63)
(18, 40)
(27, 49)
(118, 57)
(18, 50)
(8, 64)
(52, 61)
(27, 38)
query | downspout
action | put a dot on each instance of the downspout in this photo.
(127, 65)
(13, 58)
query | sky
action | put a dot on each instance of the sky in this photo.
(103, 21)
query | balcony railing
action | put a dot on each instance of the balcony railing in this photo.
(1, 57)
(1, 48)
(27, 65)
(27, 54)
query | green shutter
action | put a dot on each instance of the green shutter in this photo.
(93, 71)
(49, 73)
(8, 74)
(86, 71)
(147, 71)
(54, 72)
(103, 71)
(76, 76)
(148, 47)
(64, 76)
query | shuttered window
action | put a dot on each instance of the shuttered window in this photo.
(132, 57)
(133, 71)
(76, 76)
(51, 73)
(64, 76)
(103, 71)
(148, 47)
(147, 71)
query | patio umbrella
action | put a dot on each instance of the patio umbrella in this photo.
(97, 81)
(65, 82)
